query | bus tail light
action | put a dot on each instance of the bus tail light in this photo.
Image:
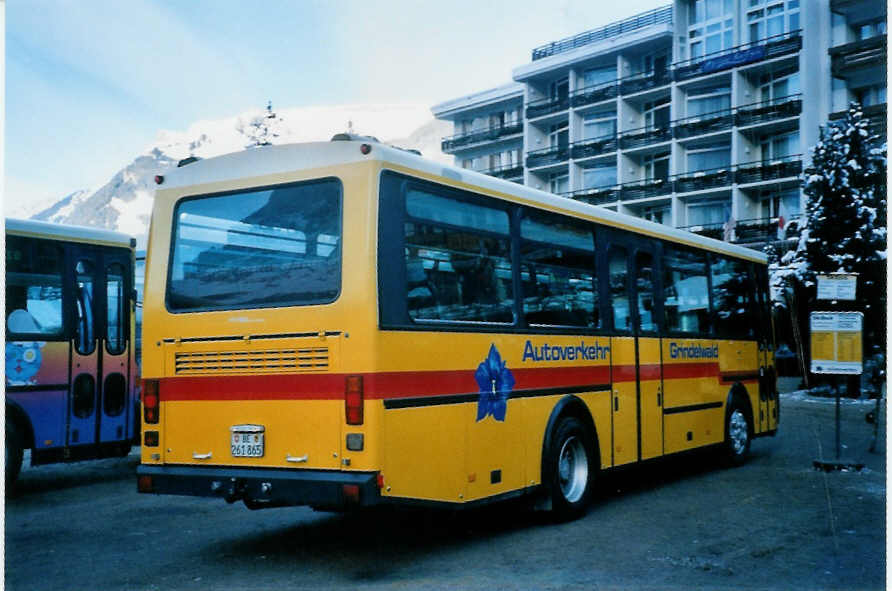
(150, 402)
(353, 400)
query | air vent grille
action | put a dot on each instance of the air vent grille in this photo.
(306, 359)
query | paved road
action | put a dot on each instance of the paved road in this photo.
(774, 523)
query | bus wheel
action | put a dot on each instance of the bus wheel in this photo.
(737, 435)
(13, 452)
(572, 468)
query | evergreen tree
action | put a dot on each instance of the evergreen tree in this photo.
(263, 129)
(845, 220)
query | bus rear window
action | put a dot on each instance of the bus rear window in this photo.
(270, 247)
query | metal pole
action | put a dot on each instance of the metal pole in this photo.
(836, 383)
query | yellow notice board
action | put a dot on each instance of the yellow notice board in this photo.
(836, 342)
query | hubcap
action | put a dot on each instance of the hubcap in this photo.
(737, 432)
(573, 469)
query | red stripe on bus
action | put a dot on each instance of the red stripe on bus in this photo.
(384, 385)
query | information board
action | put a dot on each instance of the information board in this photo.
(837, 286)
(836, 342)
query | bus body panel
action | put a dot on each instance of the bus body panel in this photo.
(650, 375)
(625, 401)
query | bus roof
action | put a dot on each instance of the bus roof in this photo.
(269, 160)
(84, 234)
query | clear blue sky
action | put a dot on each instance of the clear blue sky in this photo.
(89, 83)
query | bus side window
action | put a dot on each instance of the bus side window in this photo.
(558, 272)
(458, 260)
(644, 288)
(85, 339)
(33, 288)
(733, 296)
(117, 310)
(686, 297)
(619, 290)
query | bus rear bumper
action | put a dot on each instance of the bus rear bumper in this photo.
(260, 488)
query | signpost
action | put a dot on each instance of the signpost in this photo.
(836, 347)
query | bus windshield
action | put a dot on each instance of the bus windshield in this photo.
(278, 246)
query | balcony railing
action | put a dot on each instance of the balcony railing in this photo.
(865, 53)
(596, 195)
(547, 106)
(505, 171)
(769, 170)
(770, 110)
(639, 82)
(552, 155)
(716, 230)
(747, 53)
(652, 187)
(593, 147)
(644, 136)
(480, 135)
(645, 19)
(705, 123)
(594, 94)
(703, 179)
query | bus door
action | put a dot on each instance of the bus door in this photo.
(767, 420)
(98, 401)
(623, 369)
(646, 320)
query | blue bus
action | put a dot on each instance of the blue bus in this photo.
(70, 364)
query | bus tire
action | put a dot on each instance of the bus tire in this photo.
(572, 464)
(14, 451)
(738, 433)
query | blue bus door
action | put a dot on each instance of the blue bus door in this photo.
(98, 402)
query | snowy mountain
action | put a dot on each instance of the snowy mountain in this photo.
(124, 203)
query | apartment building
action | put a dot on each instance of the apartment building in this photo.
(697, 115)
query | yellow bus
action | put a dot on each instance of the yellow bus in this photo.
(344, 323)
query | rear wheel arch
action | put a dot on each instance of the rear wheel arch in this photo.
(569, 406)
(17, 415)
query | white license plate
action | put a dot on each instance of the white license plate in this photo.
(246, 441)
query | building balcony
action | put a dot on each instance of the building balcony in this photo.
(546, 156)
(850, 58)
(643, 136)
(641, 82)
(716, 230)
(594, 94)
(645, 19)
(593, 147)
(702, 124)
(875, 115)
(857, 10)
(771, 110)
(507, 171)
(547, 106)
(488, 134)
(755, 51)
(769, 170)
(644, 189)
(702, 180)
(596, 195)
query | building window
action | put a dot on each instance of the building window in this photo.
(709, 157)
(872, 29)
(784, 204)
(708, 213)
(768, 18)
(598, 125)
(599, 176)
(655, 62)
(559, 135)
(656, 114)
(780, 146)
(660, 214)
(560, 89)
(779, 84)
(711, 27)
(656, 166)
(559, 183)
(709, 100)
(495, 160)
(598, 76)
(871, 95)
(467, 163)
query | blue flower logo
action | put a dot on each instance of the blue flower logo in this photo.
(495, 382)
